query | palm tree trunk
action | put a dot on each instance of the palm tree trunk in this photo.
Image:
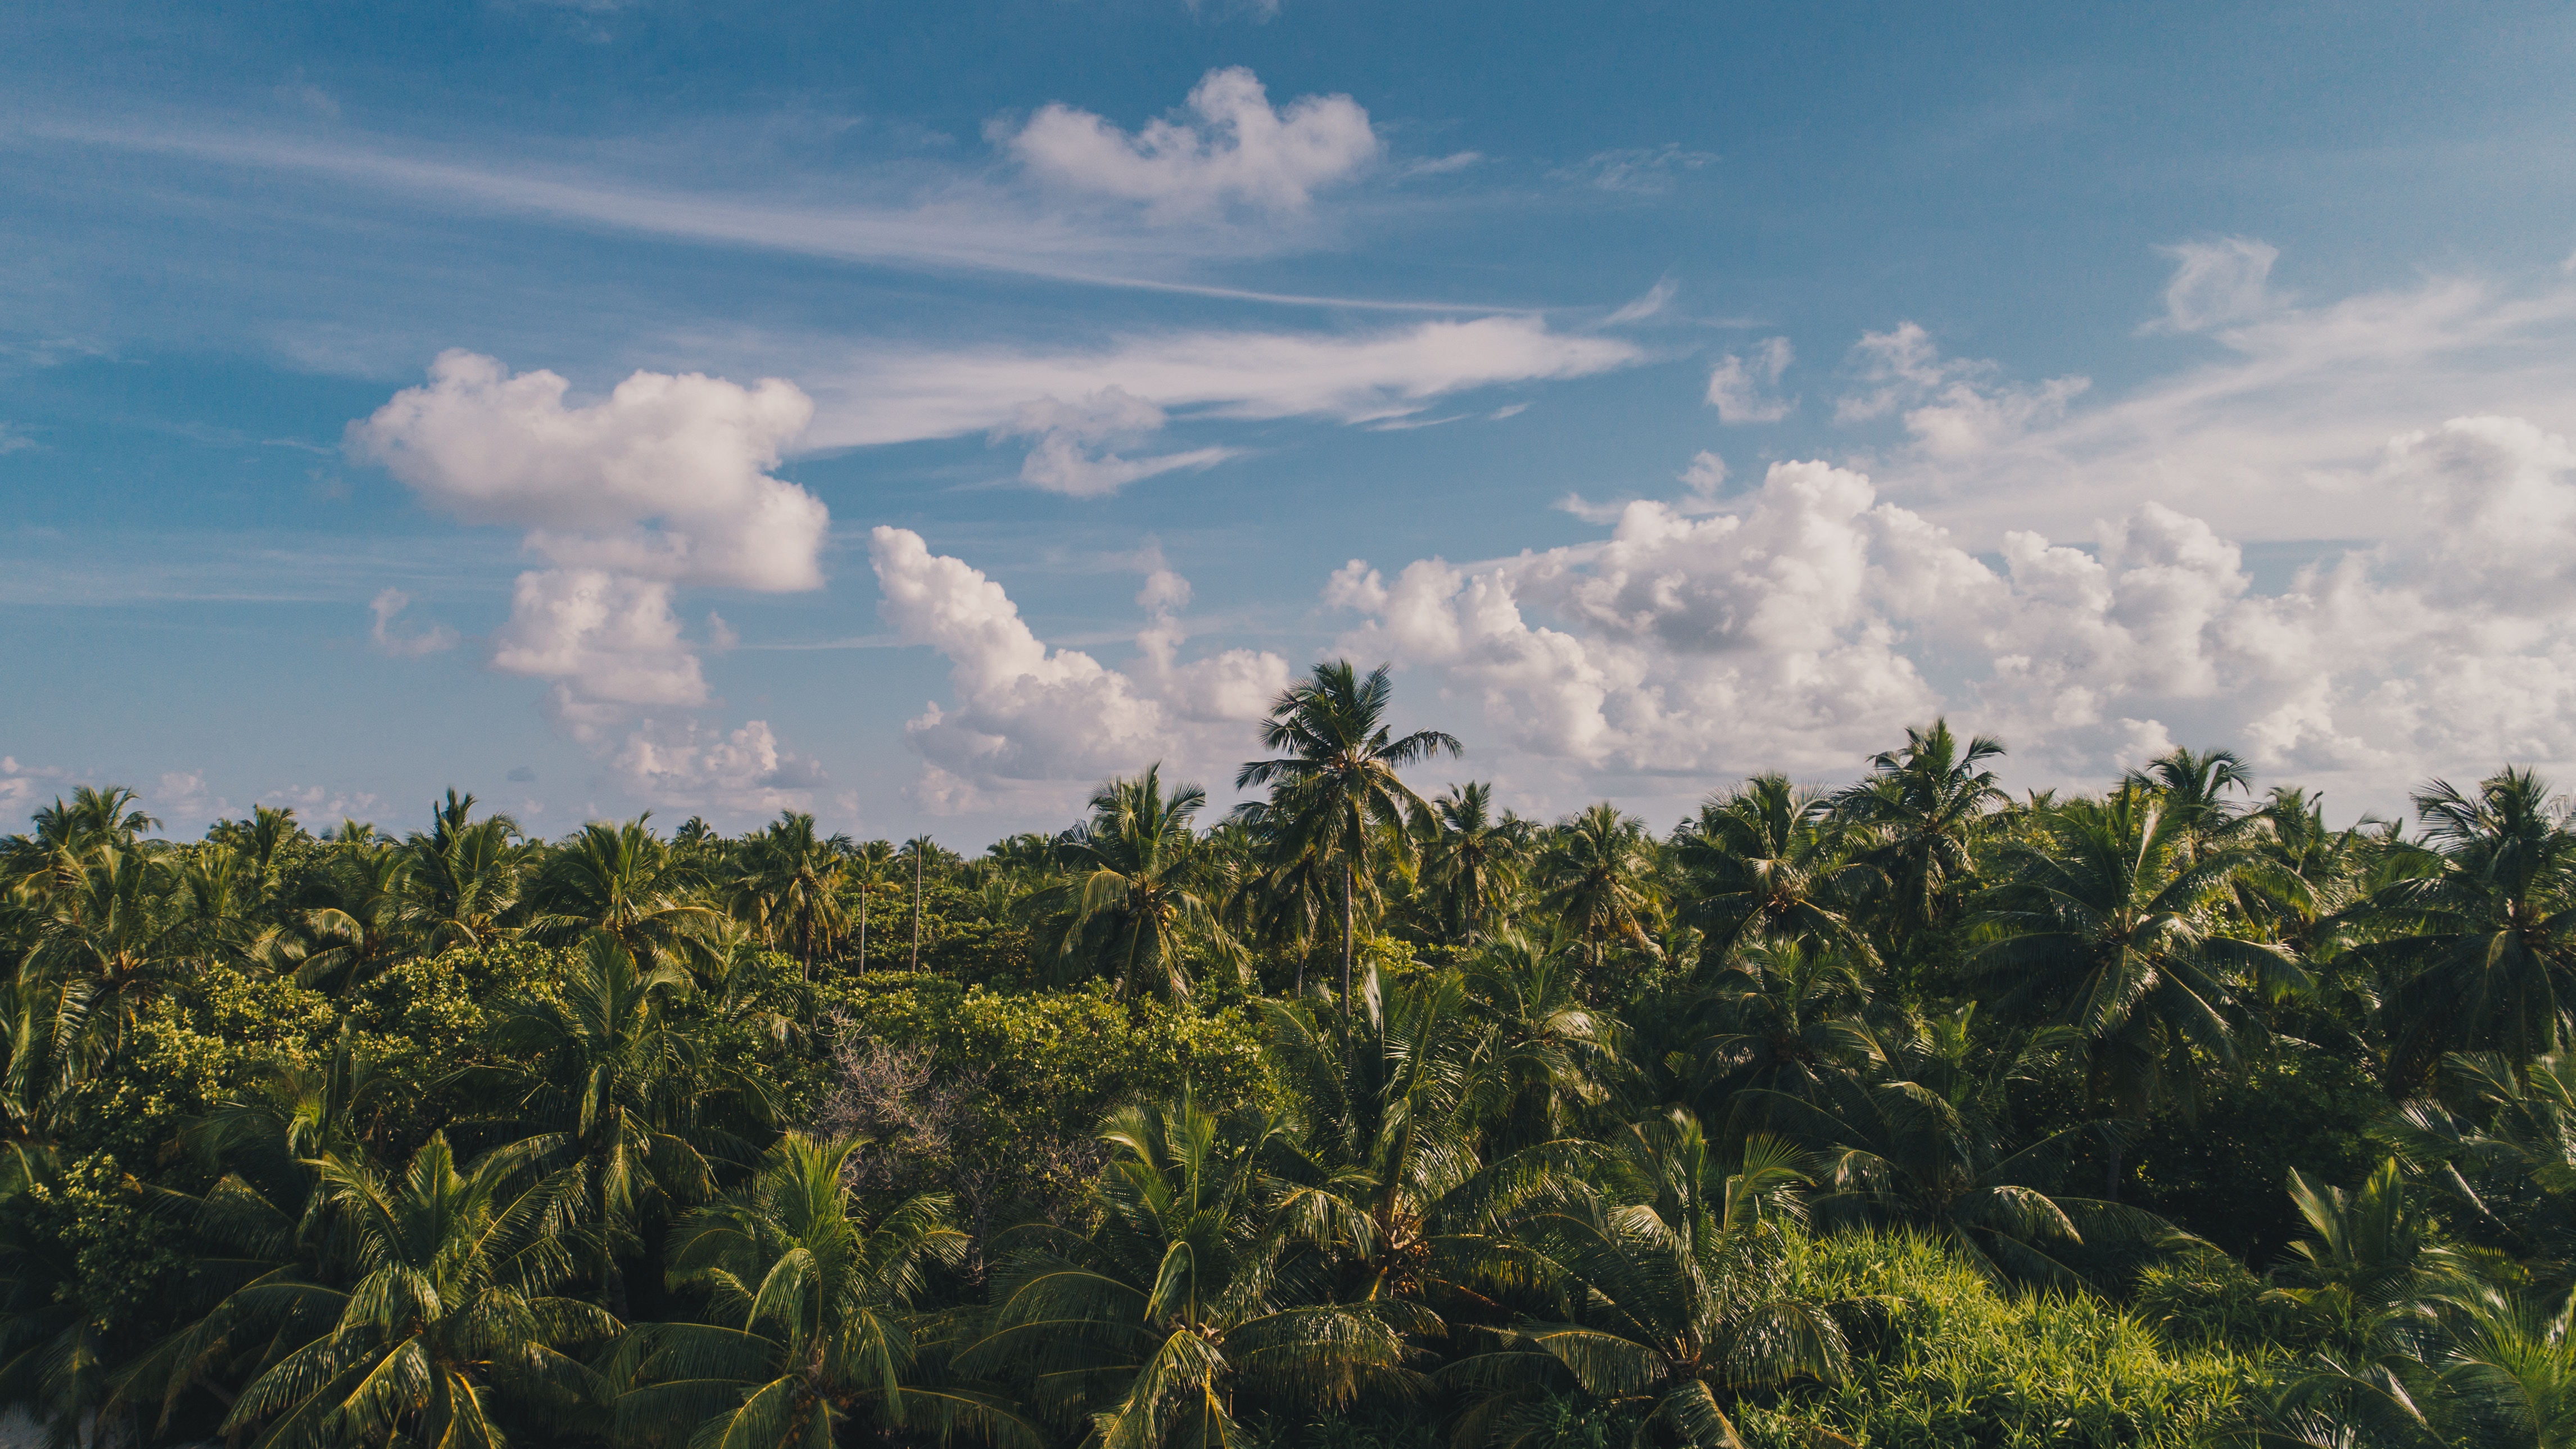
(863, 930)
(1347, 946)
(916, 907)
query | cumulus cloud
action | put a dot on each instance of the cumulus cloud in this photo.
(1350, 377)
(687, 766)
(1952, 408)
(668, 482)
(1740, 388)
(667, 477)
(1791, 630)
(1033, 724)
(2217, 282)
(1231, 148)
(431, 640)
(19, 784)
(1071, 455)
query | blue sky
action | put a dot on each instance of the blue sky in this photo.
(1700, 389)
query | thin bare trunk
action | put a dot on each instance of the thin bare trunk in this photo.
(1347, 945)
(916, 907)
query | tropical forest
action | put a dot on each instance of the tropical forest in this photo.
(1368, 1115)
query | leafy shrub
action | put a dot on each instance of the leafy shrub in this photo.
(1942, 1360)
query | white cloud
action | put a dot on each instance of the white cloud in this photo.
(1029, 724)
(2279, 438)
(1741, 390)
(669, 481)
(2217, 282)
(404, 646)
(1350, 377)
(688, 767)
(183, 796)
(666, 477)
(322, 807)
(1072, 456)
(610, 643)
(19, 784)
(1802, 628)
(1953, 408)
(1652, 302)
(1238, 150)
(14, 439)
(1641, 171)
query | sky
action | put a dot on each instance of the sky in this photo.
(920, 414)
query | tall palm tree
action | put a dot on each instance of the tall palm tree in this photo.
(1686, 1306)
(607, 1088)
(352, 918)
(1764, 860)
(102, 939)
(2192, 789)
(809, 1317)
(1386, 1171)
(918, 848)
(871, 865)
(454, 1312)
(786, 883)
(1189, 1303)
(1335, 788)
(622, 879)
(1471, 858)
(465, 874)
(1549, 1055)
(1133, 899)
(1784, 1015)
(2113, 929)
(1597, 877)
(1924, 803)
(2481, 950)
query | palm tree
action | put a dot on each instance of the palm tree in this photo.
(919, 848)
(102, 938)
(1784, 1015)
(1686, 1305)
(1596, 877)
(2193, 791)
(1189, 1302)
(1386, 1173)
(870, 866)
(809, 1316)
(1132, 900)
(454, 1312)
(1549, 1055)
(353, 919)
(465, 874)
(1925, 804)
(1471, 859)
(1335, 789)
(624, 880)
(1764, 861)
(2482, 954)
(2114, 930)
(608, 1089)
(1917, 1138)
(786, 884)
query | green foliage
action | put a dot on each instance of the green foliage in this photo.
(1353, 1121)
(1942, 1359)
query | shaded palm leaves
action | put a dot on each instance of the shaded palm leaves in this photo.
(808, 1320)
(1135, 903)
(1680, 1306)
(1191, 1302)
(452, 1312)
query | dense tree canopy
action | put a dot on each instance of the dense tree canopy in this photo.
(1369, 1113)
